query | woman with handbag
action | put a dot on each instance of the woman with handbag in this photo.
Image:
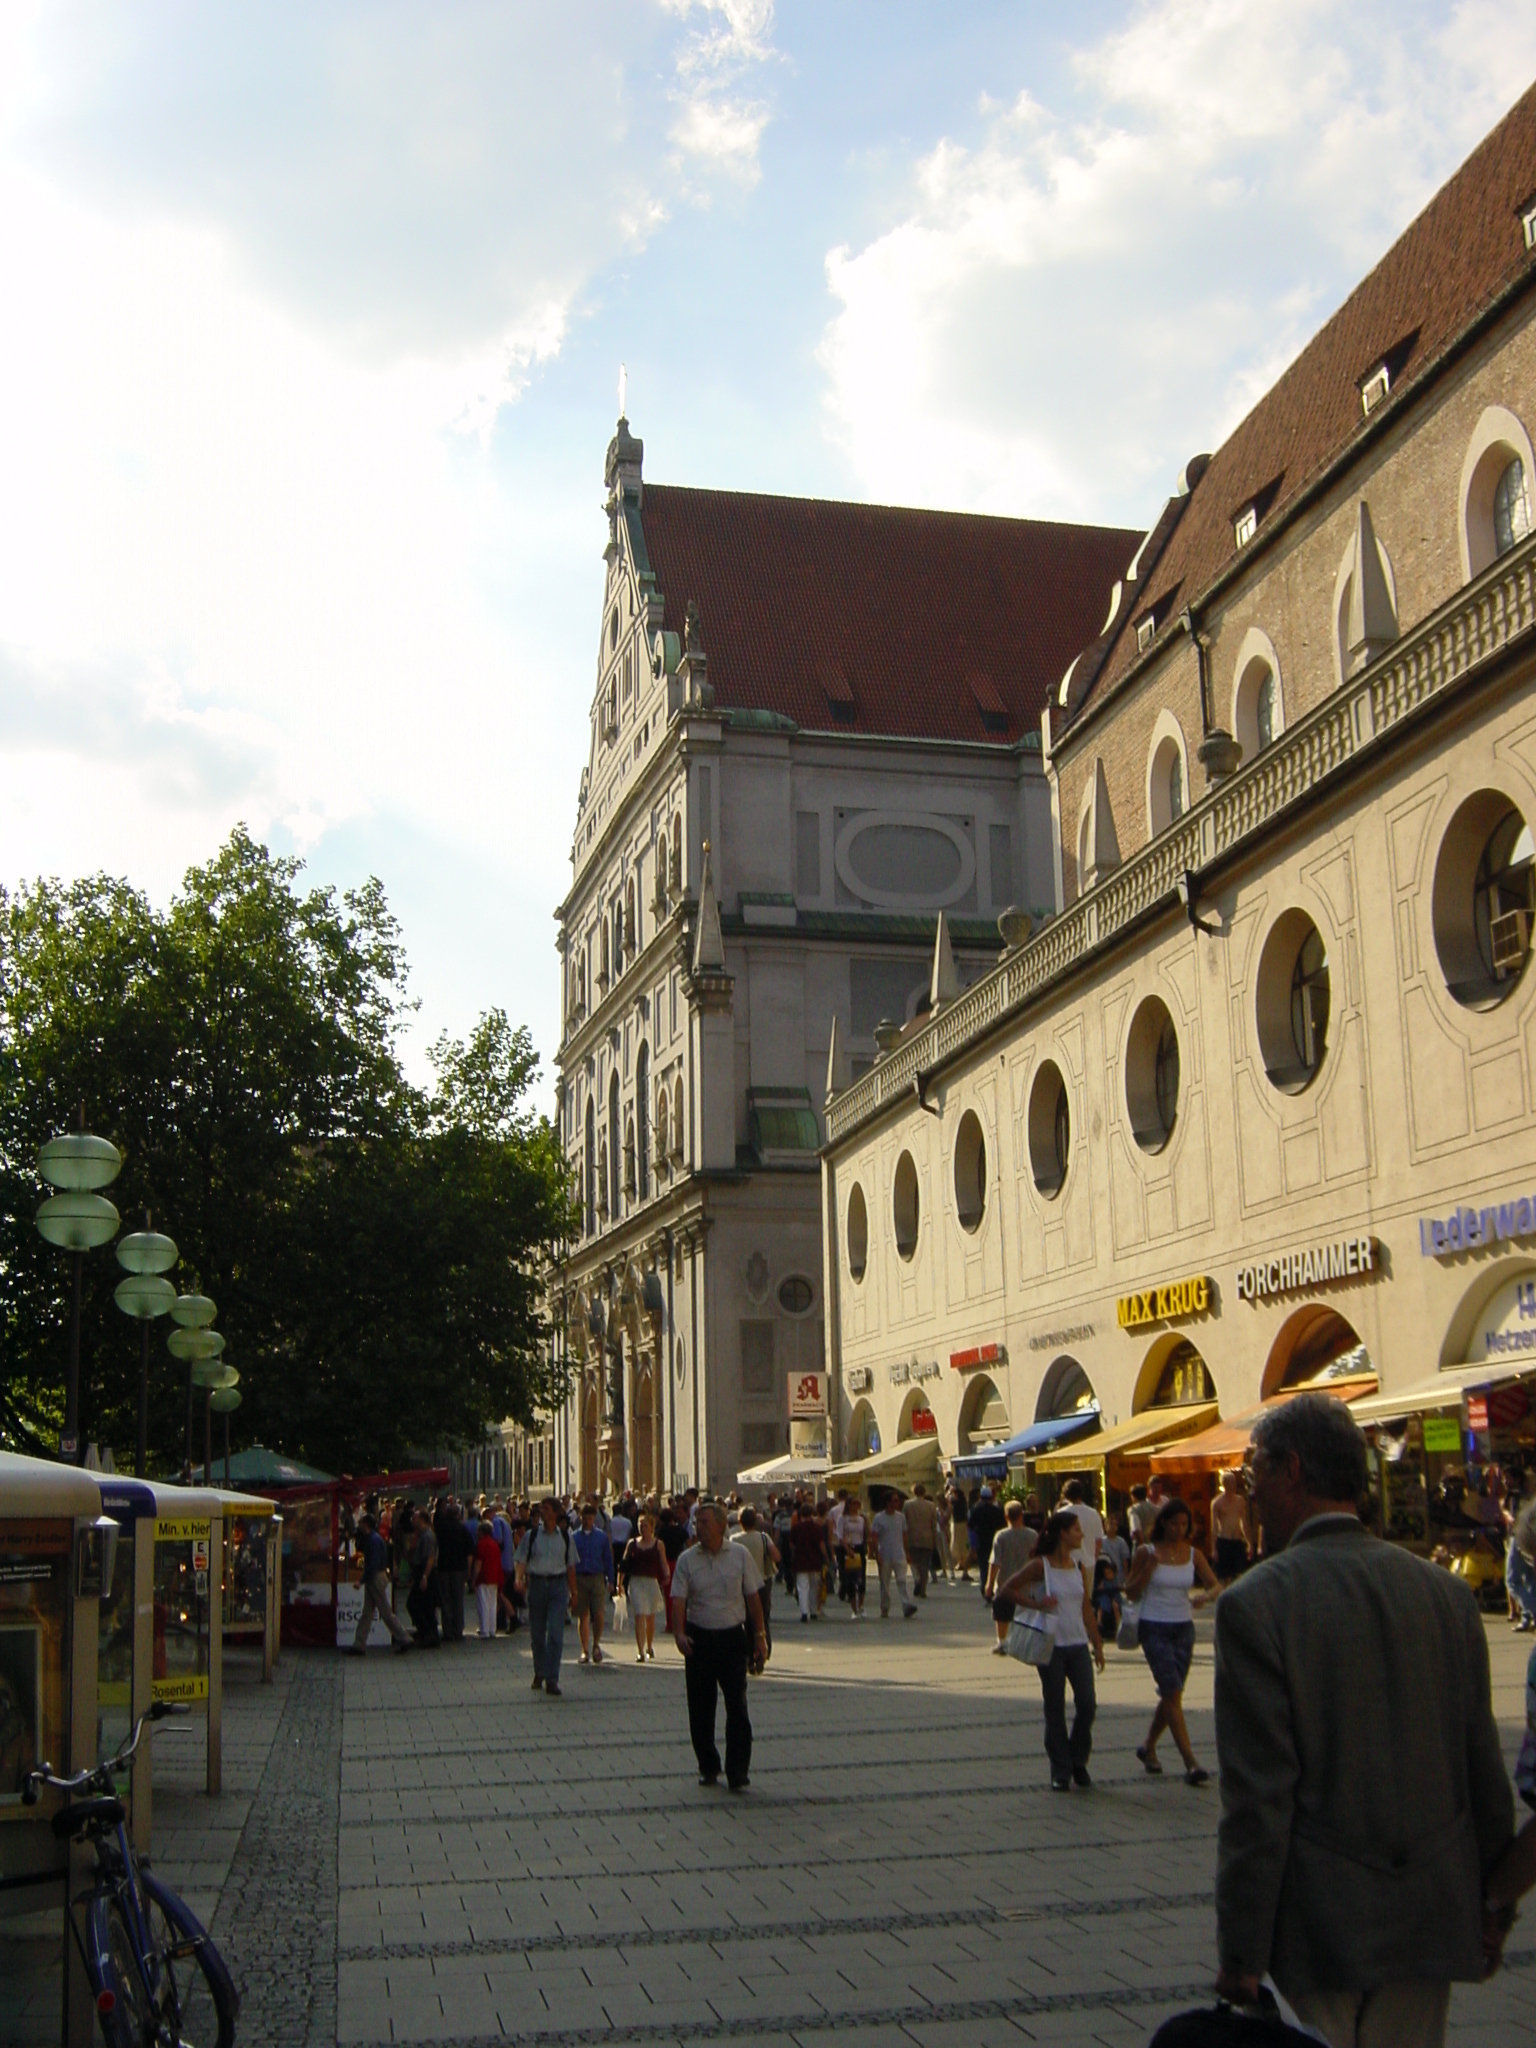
(646, 1579)
(1051, 1593)
(1162, 1579)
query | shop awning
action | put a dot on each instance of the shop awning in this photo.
(1137, 1438)
(1440, 1390)
(916, 1457)
(1221, 1447)
(783, 1471)
(992, 1463)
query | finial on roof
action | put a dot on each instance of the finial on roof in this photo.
(1371, 625)
(623, 392)
(944, 984)
(838, 1072)
(708, 943)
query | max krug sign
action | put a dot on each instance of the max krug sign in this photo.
(1168, 1303)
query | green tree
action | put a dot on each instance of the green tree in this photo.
(371, 1245)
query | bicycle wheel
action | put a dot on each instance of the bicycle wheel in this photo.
(126, 2015)
(195, 1997)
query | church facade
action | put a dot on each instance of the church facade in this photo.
(814, 730)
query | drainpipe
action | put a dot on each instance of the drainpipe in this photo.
(1219, 754)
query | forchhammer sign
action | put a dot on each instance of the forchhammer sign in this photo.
(1168, 1303)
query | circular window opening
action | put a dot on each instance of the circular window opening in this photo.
(1050, 1129)
(904, 1205)
(858, 1233)
(1483, 901)
(796, 1295)
(970, 1172)
(1152, 1075)
(1293, 1000)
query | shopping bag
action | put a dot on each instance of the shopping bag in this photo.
(1272, 2024)
(1030, 1637)
(1128, 1634)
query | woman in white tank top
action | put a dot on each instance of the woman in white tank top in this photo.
(1053, 1581)
(1163, 1577)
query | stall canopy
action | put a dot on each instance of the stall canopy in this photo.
(258, 1468)
(1440, 1390)
(1137, 1438)
(783, 1471)
(1222, 1447)
(992, 1463)
(916, 1457)
(38, 1487)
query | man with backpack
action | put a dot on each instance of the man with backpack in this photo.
(546, 1571)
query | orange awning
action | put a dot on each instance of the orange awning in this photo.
(1221, 1447)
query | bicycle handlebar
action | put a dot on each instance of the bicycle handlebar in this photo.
(34, 1782)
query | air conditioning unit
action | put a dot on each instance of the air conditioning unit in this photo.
(1510, 938)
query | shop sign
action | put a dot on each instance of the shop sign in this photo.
(1442, 1433)
(860, 1379)
(979, 1354)
(182, 1530)
(1166, 1304)
(807, 1393)
(1314, 1266)
(912, 1371)
(923, 1422)
(1507, 1326)
(189, 1687)
(1058, 1340)
(1465, 1228)
(1497, 1407)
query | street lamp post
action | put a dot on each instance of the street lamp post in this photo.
(144, 1256)
(194, 1343)
(214, 1377)
(225, 1400)
(77, 1220)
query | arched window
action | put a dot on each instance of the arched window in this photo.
(631, 929)
(1176, 788)
(1511, 506)
(613, 1147)
(1495, 489)
(631, 1164)
(1166, 789)
(661, 1128)
(590, 1168)
(618, 937)
(1264, 711)
(677, 853)
(602, 1181)
(643, 1119)
(602, 957)
(678, 1125)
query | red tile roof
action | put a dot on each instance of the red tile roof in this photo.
(871, 618)
(1462, 252)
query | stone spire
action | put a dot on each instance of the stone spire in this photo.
(708, 944)
(838, 1071)
(1371, 623)
(944, 983)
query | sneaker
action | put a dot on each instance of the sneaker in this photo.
(999, 1649)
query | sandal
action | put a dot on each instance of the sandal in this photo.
(1149, 1763)
(1195, 1776)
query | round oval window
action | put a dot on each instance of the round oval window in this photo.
(1484, 900)
(1293, 1002)
(858, 1233)
(1050, 1129)
(796, 1295)
(970, 1172)
(1152, 1075)
(904, 1205)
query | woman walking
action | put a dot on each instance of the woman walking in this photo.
(646, 1578)
(855, 1560)
(546, 1572)
(1054, 1581)
(1163, 1575)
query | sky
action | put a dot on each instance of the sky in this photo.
(313, 316)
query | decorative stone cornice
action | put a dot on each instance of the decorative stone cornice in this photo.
(1356, 722)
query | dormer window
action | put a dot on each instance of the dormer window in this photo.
(1375, 388)
(1528, 225)
(1245, 526)
(1146, 632)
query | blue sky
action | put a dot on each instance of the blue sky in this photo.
(313, 323)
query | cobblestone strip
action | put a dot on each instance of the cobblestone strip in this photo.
(276, 1923)
(785, 1930)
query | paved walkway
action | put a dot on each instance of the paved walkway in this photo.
(422, 1849)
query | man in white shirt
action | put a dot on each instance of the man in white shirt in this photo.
(1074, 1501)
(715, 1589)
(888, 1533)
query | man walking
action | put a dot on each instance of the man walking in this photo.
(715, 1588)
(594, 1581)
(888, 1531)
(421, 1601)
(922, 1519)
(986, 1519)
(546, 1571)
(1364, 1798)
(1231, 1530)
(454, 1553)
(376, 1600)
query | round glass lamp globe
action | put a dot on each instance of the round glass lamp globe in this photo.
(224, 1400)
(76, 1160)
(144, 1295)
(78, 1222)
(193, 1345)
(146, 1251)
(193, 1311)
(212, 1372)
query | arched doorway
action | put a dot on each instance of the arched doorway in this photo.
(646, 1477)
(863, 1432)
(1173, 1375)
(1315, 1345)
(983, 1416)
(1065, 1390)
(589, 1422)
(917, 1418)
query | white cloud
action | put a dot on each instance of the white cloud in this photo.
(1078, 298)
(714, 127)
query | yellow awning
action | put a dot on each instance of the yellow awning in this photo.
(1139, 1437)
(915, 1457)
(1440, 1390)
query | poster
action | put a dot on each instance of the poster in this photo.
(21, 1704)
(349, 1612)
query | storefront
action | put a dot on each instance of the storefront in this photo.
(1017, 1455)
(1194, 1465)
(1119, 1458)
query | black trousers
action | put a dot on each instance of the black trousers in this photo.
(1072, 1665)
(719, 1664)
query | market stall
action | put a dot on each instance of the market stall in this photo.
(1194, 1464)
(903, 1465)
(1121, 1457)
(1018, 1453)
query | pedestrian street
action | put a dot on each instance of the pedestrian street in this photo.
(432, 1852)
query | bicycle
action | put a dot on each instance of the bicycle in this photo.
(158, 1980)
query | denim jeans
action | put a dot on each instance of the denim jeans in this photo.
(547, 1597)
(1074, 1664)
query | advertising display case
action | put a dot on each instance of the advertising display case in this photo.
(125, 1654)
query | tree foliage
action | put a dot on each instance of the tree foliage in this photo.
(372, 1246)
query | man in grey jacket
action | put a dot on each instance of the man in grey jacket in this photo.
(1364, 1798)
